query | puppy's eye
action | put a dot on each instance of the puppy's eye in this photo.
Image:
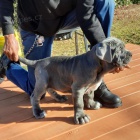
(121, 47)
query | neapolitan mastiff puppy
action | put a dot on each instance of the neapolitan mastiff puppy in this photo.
(81, 74)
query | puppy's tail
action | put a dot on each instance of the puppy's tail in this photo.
(28, 62)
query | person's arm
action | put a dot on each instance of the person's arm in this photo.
(6, 19)
(89, 22)
(6, 15)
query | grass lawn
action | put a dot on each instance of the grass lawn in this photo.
(126, 26)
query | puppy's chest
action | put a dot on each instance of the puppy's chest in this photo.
(93, 86)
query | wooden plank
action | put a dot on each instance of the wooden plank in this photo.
(122, 75)
(132, 46)
(130, 131)
(62, 121)
(125, 81)
(17, 121)
(98, 128)
(62, 130)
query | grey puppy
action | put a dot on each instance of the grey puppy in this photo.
(81, 74)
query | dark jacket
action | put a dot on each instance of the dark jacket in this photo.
(45, 17)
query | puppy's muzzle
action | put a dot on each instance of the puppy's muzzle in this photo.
(127, 57)
(122, 59)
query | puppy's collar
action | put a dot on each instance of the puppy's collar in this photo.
(116, 64)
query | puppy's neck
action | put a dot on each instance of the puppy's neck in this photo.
(107, 67)
(103, 66)
(93, 57)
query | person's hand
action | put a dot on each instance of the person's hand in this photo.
(119, 69)
(11, 47)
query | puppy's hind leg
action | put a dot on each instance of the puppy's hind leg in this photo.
(39, 90)
(56, 96)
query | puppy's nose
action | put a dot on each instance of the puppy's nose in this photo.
(129, 54)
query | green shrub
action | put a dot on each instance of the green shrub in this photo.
(126, 2)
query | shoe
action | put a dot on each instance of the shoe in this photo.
(4, 62)
(106, 98)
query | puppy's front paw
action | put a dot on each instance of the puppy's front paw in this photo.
(93, 105)
(81, 118)
(97, 105)
(39, 114)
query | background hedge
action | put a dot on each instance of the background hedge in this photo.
(126, 2)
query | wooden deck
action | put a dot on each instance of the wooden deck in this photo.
(123, 123)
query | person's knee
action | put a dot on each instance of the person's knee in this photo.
(8, 74)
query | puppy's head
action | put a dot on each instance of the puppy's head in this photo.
(112, 50)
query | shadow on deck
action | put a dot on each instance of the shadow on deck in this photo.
(123, 123)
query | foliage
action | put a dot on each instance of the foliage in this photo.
(15, 15)
(126, 2)
(126, 25)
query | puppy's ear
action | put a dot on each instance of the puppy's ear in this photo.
(103, 52)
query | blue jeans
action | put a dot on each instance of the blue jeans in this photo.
(25, 79)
